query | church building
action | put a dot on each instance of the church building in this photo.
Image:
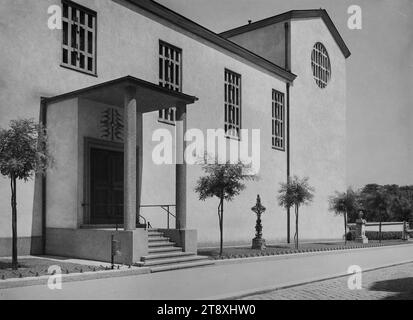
(106, 76)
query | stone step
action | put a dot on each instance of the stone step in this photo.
(158, 239)
(161, 244)
(179, 266)
(167, 255)
(155, 234)
(176, 260)
(164, 250)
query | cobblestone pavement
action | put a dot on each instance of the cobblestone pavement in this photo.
(393, 283)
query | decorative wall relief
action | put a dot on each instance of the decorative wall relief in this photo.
(111, 124)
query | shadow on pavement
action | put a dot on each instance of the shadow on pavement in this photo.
(402, 288)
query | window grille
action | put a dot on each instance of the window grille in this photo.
(170, 76)
(320, 63)
(278, 120)
(232, 104)
(79, 38)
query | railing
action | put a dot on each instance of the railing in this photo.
(404, 227)
(164, 207)
(146, 222)
(376, 224)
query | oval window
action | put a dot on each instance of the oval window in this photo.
(320, 63)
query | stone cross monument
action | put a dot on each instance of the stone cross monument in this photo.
(258, 242)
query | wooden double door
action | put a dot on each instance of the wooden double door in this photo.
(106, 186)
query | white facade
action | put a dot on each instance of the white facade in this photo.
(128, 44)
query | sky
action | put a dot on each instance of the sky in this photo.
(379, 75)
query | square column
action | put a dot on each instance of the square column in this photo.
(180, 187)
(130, 159)
(139, 141)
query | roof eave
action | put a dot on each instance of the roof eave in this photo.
(195, 28)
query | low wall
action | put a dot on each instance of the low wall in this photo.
(92, 244)
(186, 239)
(386, 226)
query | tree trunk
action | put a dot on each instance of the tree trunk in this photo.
(15, 264)
(345, 228)
(296, 227)
(380, 230)
(288, 226)
(221, 228)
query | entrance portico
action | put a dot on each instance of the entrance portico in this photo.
(136, 97)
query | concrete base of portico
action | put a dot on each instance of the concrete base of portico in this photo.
(96, 244)
(186, 239)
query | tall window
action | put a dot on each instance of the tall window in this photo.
(232, 104)
(79, 38)
(278, 120)
(170, 75)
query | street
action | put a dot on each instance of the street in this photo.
(230, 279)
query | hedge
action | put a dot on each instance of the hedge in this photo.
(374, 235)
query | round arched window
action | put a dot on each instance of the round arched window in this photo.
(320, 63)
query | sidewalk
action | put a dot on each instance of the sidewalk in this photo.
(392, 283)
(223, 280)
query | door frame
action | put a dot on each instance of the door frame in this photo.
(92, 143)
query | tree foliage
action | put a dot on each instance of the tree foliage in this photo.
(345, 202)
(296, 192)
(376, 202)
(223, 181)
(23, 149)
(385, 202)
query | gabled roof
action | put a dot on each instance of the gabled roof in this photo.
(294, 14)
(202, 32)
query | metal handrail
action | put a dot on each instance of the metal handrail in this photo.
(165, 207)
(146, 222)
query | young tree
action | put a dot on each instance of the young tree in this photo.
(401, 209)
(224, 181)
(401, 204)
(295, 193)
(344, 203)
(23, 152)
(376, 201)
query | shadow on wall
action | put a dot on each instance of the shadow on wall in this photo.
(402, 288)
(35, 243)
(36, 247)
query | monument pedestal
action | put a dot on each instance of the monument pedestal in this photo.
(363, 240)
(258, 244)
(361, 231)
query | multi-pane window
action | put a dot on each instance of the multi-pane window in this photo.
(79, 38)
(232, 104)
(278, 120)
(320, 63)
(170, 75)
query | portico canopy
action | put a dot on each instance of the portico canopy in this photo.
(150, 97)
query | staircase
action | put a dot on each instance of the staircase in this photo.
(164, 255)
